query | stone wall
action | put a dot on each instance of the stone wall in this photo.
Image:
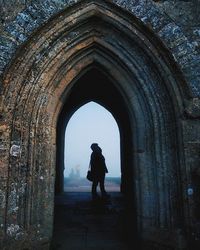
(175, 22)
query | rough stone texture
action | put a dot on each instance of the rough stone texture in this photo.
(44, 46)
(175, 22)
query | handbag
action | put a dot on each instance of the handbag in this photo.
(89, 175)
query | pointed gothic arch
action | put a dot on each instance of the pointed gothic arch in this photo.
(95, 86)
(139, 70)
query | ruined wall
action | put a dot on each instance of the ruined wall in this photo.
(176, 23)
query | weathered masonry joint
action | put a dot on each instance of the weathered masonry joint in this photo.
(155, 91)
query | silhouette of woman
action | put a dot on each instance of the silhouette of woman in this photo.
(98, 170)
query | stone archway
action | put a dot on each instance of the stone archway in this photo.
(142, 71)
(95, 86)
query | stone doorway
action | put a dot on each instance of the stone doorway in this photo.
(94, 85)
(142, 90)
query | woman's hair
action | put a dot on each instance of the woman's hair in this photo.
(94, 146)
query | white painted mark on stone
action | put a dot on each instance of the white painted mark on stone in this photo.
(190, 191)
(15, 150)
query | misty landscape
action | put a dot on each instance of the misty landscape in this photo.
(81, 184)
(91, 123)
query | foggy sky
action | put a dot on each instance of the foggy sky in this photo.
(92, 123)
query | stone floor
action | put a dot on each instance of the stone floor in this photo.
(83, 224)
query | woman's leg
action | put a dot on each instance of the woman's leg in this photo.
(102, 185)
(102, 188)
(94, 188)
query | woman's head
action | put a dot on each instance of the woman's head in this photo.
(95, 147)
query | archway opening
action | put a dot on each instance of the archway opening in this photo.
(96, 86)
(142, 87)
(91, 123)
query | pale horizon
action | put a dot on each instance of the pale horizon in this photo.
(92, 123)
